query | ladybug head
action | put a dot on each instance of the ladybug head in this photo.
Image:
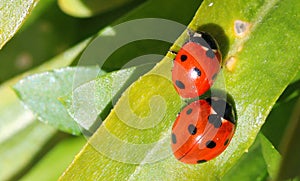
(203, 39)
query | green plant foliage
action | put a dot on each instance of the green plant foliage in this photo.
(271, 156)
(40, 93)
(260, 72)
(18, 126)
(14, 160)
(63, 153)
(39, 33)
(13, 14)
(279, 123)
(50, 32)
(259, 163)
(89, 100)
(289, 167)
(251, 166)
(259, 61)
(14, 118)
(280, 116)
(84, 9)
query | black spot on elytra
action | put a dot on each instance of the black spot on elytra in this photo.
(180, 84)
(222, 108)
(189, 111)
(226, 142)
(174, 140)
(215, 120)
(192, 129)
(201, 161)
(210, 53)
(183, 58)
(211, 144)
(197, 71)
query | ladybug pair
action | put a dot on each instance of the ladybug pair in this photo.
(204, 128)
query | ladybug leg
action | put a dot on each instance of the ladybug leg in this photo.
(190, 34)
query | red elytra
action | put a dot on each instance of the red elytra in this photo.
(203, 130)
(196, 65)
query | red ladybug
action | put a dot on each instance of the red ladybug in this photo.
(203, 130)
(196, 65)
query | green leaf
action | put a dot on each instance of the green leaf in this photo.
(89, 100)
(257, 70)
(280, 115)
(84, 9)
(40, 93)
(23, 149)
(13, 14)
(18, 126)
(271, 156)
(13, 116)
(251, 166)
(49, 32)
(89, 103)
(52, 165)
(290, 164)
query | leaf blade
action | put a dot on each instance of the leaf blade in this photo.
(12, 17)
(14, 160)
(289, 167)
(82, 9)
(15, 120)
(271, 156)
(250, 167)
(40, 93)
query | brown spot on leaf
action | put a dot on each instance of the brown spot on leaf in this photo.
(231, 63)
(241, 28)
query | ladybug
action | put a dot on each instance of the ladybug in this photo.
(196, 65)
(203, 130)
